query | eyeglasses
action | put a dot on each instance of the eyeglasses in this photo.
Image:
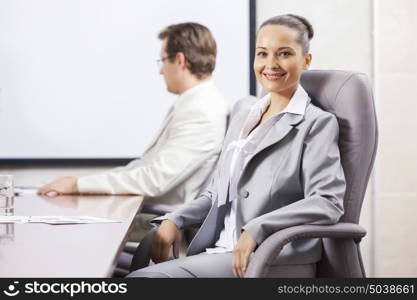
(160, 61)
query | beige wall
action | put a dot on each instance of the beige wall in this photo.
(396, 79)
(342, 30)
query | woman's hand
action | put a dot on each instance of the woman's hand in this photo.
(167, 235)
(244, 248)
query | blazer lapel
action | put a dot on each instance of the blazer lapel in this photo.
(279, 131)
(226, 156)
(164, 125)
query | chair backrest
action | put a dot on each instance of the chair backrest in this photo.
(348, 95)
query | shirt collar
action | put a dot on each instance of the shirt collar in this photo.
(192, 91)
(297, 104)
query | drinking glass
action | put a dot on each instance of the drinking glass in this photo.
(6, 194)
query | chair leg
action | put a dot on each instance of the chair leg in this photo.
(360, 261)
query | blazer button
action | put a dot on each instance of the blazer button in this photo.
(244, 194)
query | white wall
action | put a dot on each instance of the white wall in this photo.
(79, 78)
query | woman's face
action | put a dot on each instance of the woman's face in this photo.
(279, 59)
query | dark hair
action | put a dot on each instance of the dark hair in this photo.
(195, 42)
(301, 24)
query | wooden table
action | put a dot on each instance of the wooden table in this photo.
(80, 250)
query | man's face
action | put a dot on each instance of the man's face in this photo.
(169, 69)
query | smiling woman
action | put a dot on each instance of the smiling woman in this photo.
(282, 53)
(280, 167)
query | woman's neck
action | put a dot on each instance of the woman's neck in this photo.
(279, 101)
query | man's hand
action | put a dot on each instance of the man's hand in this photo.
(244, 248)
(61, 185)
(167, 235)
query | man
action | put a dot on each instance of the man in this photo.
(184, 151)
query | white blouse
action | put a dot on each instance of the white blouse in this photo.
(239, 152)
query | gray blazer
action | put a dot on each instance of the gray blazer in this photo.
(295, 177)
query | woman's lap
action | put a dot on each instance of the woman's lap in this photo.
(206, 265)
(195, 266)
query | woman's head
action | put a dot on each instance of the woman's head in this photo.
(282, 53)
(298, 23)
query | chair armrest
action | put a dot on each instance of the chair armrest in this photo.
(272, 246)
(142, 252)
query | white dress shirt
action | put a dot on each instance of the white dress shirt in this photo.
(239, 152)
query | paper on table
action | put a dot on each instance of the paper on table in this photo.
(69, 220)
(19, 190)
(55, 219)
(13, 219)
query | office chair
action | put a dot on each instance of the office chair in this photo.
(349, 97)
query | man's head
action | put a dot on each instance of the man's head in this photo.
(188, 54)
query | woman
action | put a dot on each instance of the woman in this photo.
(280, 167)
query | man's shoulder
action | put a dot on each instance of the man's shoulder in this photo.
(211, 91)
(209, 100)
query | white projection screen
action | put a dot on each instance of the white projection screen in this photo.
(79, 79)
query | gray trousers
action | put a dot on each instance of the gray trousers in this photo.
(206, 265)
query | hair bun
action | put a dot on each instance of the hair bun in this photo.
(307, 24)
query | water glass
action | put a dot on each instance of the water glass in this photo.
(6, 194)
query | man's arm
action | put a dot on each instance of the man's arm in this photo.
(193, 139)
